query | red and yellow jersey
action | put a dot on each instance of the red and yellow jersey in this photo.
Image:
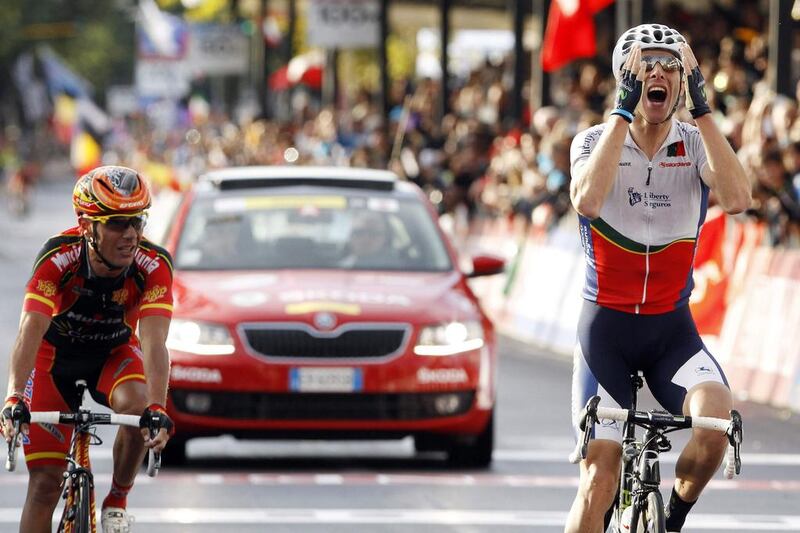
(640, 250)
(92, 315)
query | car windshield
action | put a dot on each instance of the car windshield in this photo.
(319, 231)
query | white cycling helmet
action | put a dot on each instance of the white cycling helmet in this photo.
(649, 36)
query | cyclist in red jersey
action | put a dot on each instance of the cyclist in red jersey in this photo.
(90, 287)
(640, 184)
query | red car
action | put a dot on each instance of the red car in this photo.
(315, 302)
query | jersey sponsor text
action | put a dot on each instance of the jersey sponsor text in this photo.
(149, 264)
(63, 259)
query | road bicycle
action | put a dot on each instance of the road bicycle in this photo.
(639, 505)
(79, 514)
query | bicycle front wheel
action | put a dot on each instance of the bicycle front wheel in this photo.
(83, 506)
(654, 519)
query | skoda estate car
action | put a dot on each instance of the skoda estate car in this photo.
(325, 303)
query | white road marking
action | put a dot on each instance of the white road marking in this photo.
(329, 479)
(488, 479)
(430, 517)
(207, 479)
(557, 456)
(503, 455)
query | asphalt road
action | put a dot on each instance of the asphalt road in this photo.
(380, 486)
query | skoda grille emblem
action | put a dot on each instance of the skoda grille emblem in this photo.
(325, 321)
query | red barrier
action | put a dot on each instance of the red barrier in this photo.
(711, 274)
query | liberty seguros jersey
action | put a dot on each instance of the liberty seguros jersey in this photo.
(92, 315)
(640, 250)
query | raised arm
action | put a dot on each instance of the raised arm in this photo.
(723, 172)
(593, 178)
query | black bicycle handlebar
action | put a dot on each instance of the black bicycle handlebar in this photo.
(591, 413)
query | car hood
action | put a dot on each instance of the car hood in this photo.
(299, 295)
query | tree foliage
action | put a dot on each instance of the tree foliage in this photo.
(95, 39)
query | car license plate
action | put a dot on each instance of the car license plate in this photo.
(327, 379)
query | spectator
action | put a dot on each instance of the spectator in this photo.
(778, 200)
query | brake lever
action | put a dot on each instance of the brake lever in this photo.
(735, 436)
(13, 446)
(153, 457)
(588, 420)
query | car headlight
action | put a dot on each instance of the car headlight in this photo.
(449, 339)
(199, 338)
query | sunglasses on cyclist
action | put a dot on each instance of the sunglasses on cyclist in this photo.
(668, 63)
(121, 222)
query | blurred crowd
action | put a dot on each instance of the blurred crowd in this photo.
(475, 163)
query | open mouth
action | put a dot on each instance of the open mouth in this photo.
(657, 95)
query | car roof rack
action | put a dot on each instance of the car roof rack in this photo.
(240, 178)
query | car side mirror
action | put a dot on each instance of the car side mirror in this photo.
(486, 265)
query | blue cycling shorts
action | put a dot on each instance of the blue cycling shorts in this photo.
(612, 345)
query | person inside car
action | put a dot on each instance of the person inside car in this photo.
(370, 242)
(223, 238)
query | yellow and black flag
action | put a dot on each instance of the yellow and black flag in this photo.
(86, 149)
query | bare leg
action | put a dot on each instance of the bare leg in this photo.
(44, 488)
(129, 398)
(598, 485)
(704, 452)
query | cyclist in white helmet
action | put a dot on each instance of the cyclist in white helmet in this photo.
(640, 184)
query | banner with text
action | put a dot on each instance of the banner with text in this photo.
(343, 23)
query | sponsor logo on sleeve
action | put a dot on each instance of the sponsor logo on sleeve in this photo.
(154, 294)
(63, 259)
(46, 287)
(146, 262)
(589, 141)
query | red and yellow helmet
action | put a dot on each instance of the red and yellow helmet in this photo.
(110, 190)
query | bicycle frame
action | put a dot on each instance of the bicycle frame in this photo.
(79, 514)
(640, 473)
(625, 491)
(78, 491)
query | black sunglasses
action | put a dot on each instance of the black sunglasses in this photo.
(121, 223)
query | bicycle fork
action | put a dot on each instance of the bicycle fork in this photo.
(79, 472)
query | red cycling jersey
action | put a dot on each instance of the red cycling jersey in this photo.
(92, 315)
